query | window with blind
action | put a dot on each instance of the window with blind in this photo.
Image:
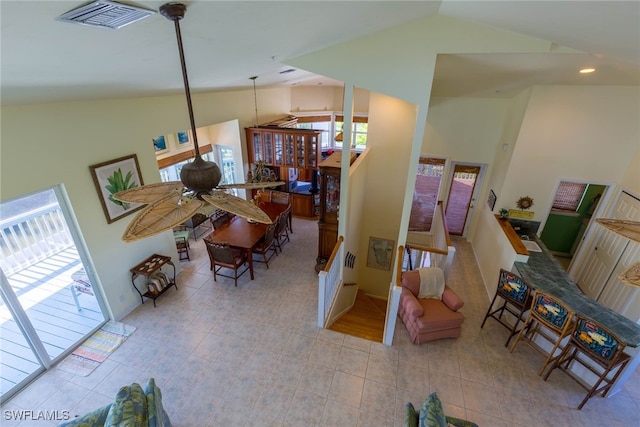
(569, 196)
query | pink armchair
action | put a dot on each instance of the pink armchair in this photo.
(428, 319)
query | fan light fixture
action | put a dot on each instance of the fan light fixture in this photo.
(168, 203)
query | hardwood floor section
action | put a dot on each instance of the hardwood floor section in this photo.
(364, 320)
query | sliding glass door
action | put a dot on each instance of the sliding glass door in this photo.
(49, 300)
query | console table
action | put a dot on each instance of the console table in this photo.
(156, 282)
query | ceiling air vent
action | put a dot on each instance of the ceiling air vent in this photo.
(105, 14)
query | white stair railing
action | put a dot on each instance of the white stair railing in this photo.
(442, 241)
(329, 281)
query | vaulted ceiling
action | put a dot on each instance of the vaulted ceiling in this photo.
(45, 60)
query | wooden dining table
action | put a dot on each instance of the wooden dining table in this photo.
(245, 235)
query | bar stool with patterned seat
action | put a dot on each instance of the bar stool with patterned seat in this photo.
(516, 296)
(550, 319)
(603, 348)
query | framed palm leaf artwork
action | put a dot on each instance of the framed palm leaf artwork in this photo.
(113, 176)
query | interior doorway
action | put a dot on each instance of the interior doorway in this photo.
(425, 194)
(573, 206)
(464, 178)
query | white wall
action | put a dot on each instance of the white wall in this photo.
(492, 249)
(582, 133)
(399, 61)
(43, 145)
(466, 130)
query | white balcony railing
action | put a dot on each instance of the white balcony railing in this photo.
(31, 237)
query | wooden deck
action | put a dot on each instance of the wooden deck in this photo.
(45, 294)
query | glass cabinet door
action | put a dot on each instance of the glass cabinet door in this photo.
(312, 151)
(278, 146)
(289, 150)
(257, 147)
(332, 198)
(300, 151)
(268, 148)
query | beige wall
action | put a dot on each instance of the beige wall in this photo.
(391, 127)
(326, 98)
(49, 144)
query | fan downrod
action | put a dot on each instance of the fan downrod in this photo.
(199, 176)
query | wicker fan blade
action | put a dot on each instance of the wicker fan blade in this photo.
(149, 193)
(626, 228)
(161, 215)
(631, 276)
(237, 206)
(251, 185)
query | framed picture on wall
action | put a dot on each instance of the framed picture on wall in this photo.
(183, 137)
(491, 201)
(113, 176)
(380, 253)
(159, 144)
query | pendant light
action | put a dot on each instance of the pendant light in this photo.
(255, 98)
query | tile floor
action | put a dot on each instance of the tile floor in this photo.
(252, 355)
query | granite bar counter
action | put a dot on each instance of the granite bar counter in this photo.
(543, 272)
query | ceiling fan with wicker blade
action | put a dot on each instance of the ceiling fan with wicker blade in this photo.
(172, 203)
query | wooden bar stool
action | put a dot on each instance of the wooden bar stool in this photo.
(516, 296)
(550, 319)
(592, 345)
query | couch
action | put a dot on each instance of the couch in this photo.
(429, 319)
(431, 414)
(133, 407)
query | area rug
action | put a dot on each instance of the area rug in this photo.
(96, 348)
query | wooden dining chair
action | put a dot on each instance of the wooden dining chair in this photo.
(221, 255)
(549, 318)
(516, 296)
(266, 245)
(597, 349)
(282, 233)
(182, 246)
(283, 198)
(219, 219)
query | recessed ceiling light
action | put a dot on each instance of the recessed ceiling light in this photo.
(587, 70)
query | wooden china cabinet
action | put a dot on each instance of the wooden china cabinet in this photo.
(330, 170)
(282, 148)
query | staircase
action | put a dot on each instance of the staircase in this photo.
(364, 320)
